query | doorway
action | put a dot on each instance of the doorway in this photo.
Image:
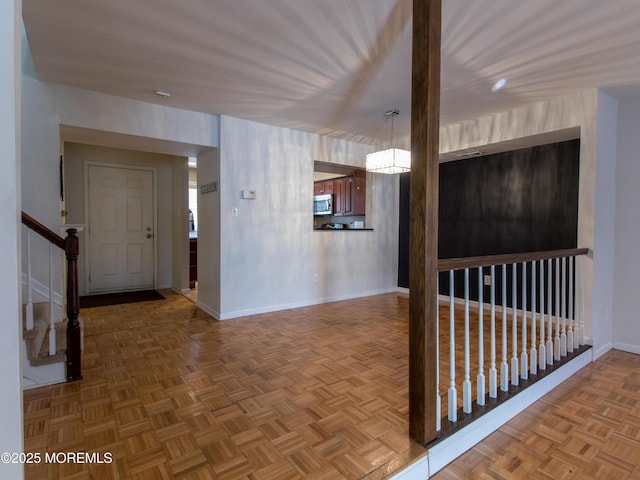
(121, 228)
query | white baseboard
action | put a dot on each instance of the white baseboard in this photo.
(182, 291)
(207, 309)
(42, 375)
(418, 470)
(304, 303)
(601, 350)
(29, 383)
(626, 347)
(456, 444)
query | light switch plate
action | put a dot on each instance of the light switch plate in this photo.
(209, 187)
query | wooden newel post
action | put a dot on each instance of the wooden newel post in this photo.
(74, 363)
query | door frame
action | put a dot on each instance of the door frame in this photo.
(154, 184)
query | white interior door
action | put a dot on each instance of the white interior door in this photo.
(121, 229)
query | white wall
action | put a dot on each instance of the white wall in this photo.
(46, 106)
(626, 334)
(269, 251)
(76, 156)
(180, 225)
(209, 234)
(10, 328)
(590, 111)
(604, 225)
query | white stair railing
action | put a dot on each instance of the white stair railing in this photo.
(533, 354)
(70, 246)
(29, 304)
(52, 320)
(480, 379)
(47, 290)
(493, 372)
(542, 284)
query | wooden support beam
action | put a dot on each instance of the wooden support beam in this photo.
(423, 253)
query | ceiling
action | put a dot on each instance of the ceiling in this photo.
(333, 67)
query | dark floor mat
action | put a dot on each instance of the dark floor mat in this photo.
(119, 298)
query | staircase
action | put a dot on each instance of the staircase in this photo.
(52, 343)
(38, 367)
(37, 339)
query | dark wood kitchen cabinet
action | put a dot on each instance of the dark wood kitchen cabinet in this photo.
(349, 193)
(323, 187)
(343, 196)
(359, 192)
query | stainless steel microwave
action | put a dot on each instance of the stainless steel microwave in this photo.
(323, 204)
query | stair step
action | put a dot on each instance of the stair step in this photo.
(60, 356)
(61, 339)
(35, 337)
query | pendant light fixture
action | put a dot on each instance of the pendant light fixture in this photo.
(391, 160)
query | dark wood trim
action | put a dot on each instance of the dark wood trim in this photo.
(74, 368)
(444, 265)
(423, 253)
(72, 251)
(43, 231)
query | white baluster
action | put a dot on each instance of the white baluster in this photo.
(533, 355)
(542, 350)
(52, 322)
(571, 301)
(480, 380)
(29, 306)
(556, 339)
(583, 276)
(452, 393)
(504, 367)
(563, 311)
(493, 373)
(438, 397)
(549, 313)
(514, 325)
(466, 384)
(524, 356)
(576, 322)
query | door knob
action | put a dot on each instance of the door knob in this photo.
(149, 235)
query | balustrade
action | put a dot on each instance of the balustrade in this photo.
(70, 246)
(545, 324)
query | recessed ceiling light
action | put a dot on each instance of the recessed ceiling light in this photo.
(499, 84)
(162, 94)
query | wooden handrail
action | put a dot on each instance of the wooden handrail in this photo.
(71, 250)
(43, 231)
(446, 264)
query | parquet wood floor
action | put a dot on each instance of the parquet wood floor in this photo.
(318, 393)
(586, 428)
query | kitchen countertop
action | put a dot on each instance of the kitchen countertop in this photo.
(343, 229)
